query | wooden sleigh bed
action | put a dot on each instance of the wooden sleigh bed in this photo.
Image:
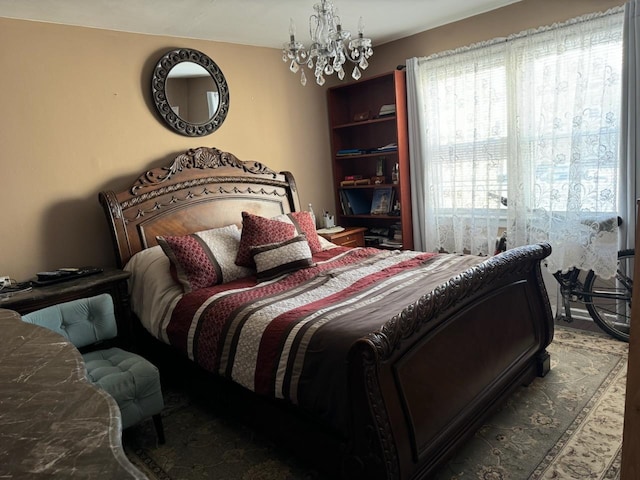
(415, 387)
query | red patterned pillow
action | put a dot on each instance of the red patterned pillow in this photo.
(256, 231)
(275, 259)
(204, 259)
(305, 224)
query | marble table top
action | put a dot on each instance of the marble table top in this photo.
(53, 423)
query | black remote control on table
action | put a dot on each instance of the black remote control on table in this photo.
(63, 274)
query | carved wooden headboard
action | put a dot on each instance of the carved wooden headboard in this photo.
(200, 189)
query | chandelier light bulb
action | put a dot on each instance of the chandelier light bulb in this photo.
(331, 46)
(292, 30)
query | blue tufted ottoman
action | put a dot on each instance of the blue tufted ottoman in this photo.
(130, 379)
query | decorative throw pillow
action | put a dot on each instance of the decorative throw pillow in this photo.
(256, 231)
(275, 259)
(204, 259)
(304, 223)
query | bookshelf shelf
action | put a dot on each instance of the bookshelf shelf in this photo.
(366, 123)
(354, 202)
(365, 155)
(374, 217)
(370, 186)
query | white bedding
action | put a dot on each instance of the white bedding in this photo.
(153, 291)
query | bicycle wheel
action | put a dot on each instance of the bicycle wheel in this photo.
(609, 300)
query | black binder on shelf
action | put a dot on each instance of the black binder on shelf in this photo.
(358, 201)
(344, 203)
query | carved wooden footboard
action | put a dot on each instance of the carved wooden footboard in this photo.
(420, 385)
(429, 378)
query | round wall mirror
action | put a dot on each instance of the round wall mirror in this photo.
(190, 92)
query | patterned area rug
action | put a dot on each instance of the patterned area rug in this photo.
(567, 425)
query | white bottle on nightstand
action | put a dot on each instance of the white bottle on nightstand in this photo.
(313, 215)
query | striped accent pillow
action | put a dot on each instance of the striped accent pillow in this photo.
(204, 259)
(275, 259)
(256, 231)
(305, 224)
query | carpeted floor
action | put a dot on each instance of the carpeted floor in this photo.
(567, 425)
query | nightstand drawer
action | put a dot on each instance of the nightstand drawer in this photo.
(350, 237)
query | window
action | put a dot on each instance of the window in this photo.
(534, 118)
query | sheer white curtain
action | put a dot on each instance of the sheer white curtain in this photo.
(533, 118)
(458, 141)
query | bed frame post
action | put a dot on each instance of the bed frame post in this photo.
(113, 212)
(543, 363)
(371, 451)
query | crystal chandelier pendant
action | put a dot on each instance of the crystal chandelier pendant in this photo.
(330, 48)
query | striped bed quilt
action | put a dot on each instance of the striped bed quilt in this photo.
(289, 338)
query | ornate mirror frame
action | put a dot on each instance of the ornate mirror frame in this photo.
(159, 92)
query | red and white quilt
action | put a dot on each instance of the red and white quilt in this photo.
(289, 338)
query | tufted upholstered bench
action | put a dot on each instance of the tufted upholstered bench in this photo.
(134, 382)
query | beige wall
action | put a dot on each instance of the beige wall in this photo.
(78, 119)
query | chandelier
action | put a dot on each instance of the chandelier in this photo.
(330, 48)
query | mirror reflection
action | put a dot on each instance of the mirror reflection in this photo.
(190, 92)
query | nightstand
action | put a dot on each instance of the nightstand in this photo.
(349, 237)
(110, 280)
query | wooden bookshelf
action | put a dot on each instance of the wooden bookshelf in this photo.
(354, 144)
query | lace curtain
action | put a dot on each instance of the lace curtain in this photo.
(531, 121)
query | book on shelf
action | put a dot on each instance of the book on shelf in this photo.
(362, 181)
(350, 180)
(350, 151)
(389, 109)
(344, 203)
(391, 243)
(351, 183)
(390, 147)
(382, 201)
(357, 201)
